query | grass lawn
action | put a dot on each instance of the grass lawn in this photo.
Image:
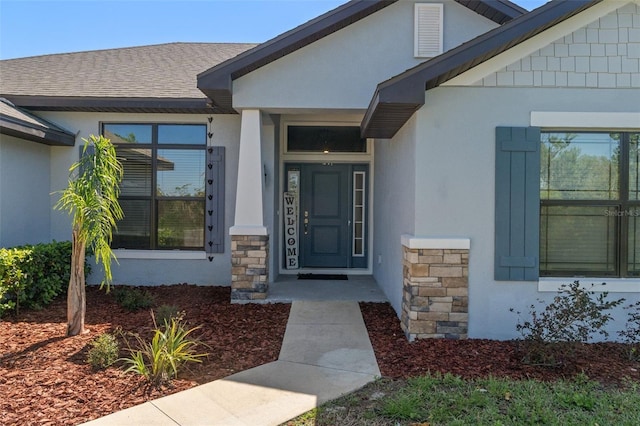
(450, 400)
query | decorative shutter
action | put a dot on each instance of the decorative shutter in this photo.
(517, 203)
(428, 30)
(215, 201)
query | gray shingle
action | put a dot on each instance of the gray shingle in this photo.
(157, 71)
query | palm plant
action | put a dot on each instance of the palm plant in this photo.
(92, 198)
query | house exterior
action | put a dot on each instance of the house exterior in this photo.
(469, 155)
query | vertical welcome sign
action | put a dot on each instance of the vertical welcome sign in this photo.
(291, 229)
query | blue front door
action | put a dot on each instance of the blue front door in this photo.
(332, 214)
(325, 215)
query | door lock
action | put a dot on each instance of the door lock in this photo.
(306, 222)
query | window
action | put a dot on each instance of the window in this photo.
(359, 207)
(590, 204)
(325, 139)
(163, 189)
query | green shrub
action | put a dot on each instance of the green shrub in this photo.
(170, 348)
(104, 351)
(133, 299)
(631, 333)
(165, 313)
(574, 316)
(32, 276)
(12, 278)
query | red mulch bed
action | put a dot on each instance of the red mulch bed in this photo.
(45, 380)
(607, 363)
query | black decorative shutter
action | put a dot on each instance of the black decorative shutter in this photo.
(214, 201)
(517, 213)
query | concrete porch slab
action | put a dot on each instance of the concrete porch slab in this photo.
(359, 288)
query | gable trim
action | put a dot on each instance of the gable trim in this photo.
(535, 43)
(396, 99)
(216, 82)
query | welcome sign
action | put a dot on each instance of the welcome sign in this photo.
(291, 229)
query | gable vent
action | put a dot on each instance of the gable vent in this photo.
(428, 30)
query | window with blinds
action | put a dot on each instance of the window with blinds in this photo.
(590, 204)
(162, 193)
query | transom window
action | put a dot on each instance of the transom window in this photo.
(163, 189)
(325, 139)
(590, 204)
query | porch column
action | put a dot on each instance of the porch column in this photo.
(436, 287)
(249, 237)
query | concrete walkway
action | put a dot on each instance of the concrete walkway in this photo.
(325, 353)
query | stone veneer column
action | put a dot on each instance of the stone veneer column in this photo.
(249, 267)
(249, 236)
(436, 288)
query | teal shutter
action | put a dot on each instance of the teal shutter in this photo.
(517, 242)
(214, 215)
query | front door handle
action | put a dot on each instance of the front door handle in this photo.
(306, 222)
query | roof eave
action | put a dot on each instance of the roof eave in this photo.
(438, 70)
(23, 130)
(501, 11)
(106, 104)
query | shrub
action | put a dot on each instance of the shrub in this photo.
(631, 333)
(573, 317)
(32, 276)
(133, 299)
(104, 351)
(12, 278)
(165, 313)
(160, 359)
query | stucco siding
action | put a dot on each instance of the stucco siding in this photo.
(137, 271)
(602, 54)
(24, 192)
(394, 207)
(342, 70)
(455, 154)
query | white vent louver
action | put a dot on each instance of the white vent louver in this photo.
(428, 30)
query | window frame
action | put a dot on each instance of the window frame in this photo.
(152, 197)
(622, 205)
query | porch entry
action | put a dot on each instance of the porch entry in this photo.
(331, 215)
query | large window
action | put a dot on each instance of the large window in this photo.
(590, 204)
(163, 190)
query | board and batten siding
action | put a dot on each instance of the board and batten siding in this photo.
(517, 244)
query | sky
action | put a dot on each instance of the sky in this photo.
(40, 27)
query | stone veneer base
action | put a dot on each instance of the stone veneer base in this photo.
(435, 293)
(249, 267)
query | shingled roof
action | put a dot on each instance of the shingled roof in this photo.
(146, 78)
(16, 122)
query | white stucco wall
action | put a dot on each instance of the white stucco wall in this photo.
(395, 187)
(455, 154)
(24, 192)
(137, 271)
(342, 70)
